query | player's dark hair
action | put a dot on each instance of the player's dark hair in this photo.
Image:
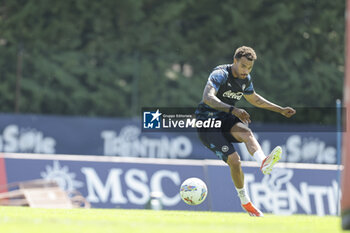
(246, 52)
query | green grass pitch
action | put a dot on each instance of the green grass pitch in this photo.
(31, 220)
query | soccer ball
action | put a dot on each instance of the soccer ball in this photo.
(193, 191)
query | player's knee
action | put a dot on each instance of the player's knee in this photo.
(243, 134)
(246, 133)
(234, 161)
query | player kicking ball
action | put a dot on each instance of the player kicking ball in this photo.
(226, 85)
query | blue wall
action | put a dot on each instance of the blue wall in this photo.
(117, 183)
(123, 137)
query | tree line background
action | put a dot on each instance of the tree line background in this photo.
(111, 58)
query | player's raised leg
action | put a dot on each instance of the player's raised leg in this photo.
(237, 175)
(243, 134)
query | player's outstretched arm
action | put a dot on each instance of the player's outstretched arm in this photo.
(260, 102)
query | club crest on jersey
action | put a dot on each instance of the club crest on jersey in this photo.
(224, 148)
(233, 95)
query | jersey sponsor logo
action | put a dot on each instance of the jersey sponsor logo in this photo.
(233, 95)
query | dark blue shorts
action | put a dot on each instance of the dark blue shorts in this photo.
(220, 140)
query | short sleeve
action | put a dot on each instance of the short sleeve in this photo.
(216, 79)
(249, 90)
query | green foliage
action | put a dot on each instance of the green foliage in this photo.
(110, 58)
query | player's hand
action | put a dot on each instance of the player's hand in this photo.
(288, 112)
(242, 115)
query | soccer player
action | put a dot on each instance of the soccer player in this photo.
(226, 85)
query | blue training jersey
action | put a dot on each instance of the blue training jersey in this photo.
(229, 90)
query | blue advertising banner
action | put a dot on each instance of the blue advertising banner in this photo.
(286, 191)
(128, 182)
(111, 184)
(125, 138)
